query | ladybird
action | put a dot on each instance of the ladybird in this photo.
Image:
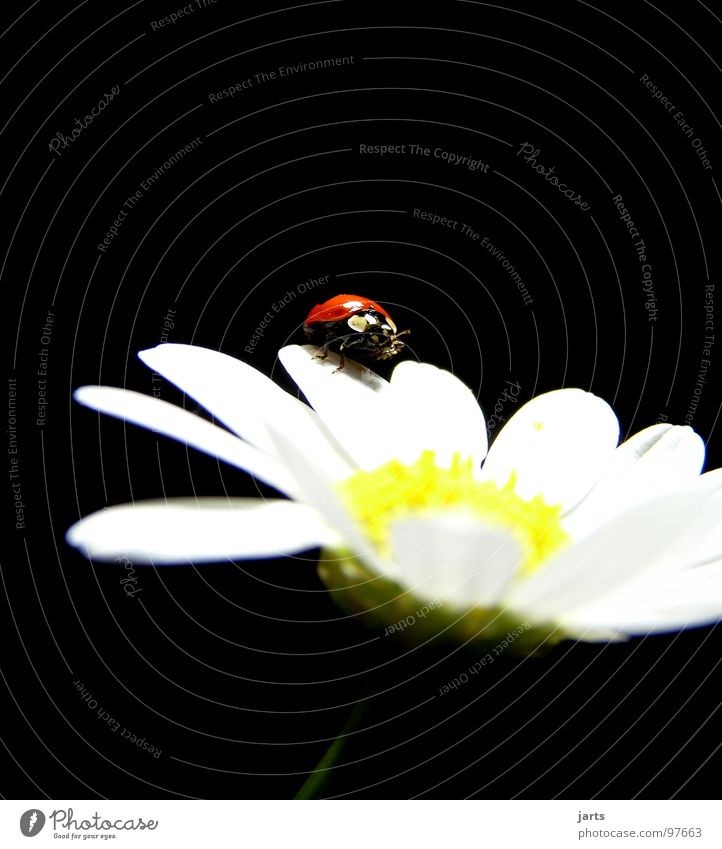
(351, 323)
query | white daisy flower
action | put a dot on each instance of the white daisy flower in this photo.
(556, 527)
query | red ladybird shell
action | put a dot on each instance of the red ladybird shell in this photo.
(340, 307)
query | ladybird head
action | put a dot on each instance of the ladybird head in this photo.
(379, 335)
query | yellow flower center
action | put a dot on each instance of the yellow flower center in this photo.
(394, 491)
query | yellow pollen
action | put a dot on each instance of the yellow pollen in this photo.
(394, 491)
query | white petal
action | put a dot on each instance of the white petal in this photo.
(179, 424)
(703, 609)
(656, 460)
(687, 596)
(422, 408)
(687, 583)
(203, 530)
(557, 444)
(710, 483)
(243, 398)
(652, 537)
(319, 491)
(351, 403)
(709, 547)
(454, 559)
(433, 409)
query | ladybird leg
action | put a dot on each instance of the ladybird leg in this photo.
(342, 362)
(342, 359)
(321, 354)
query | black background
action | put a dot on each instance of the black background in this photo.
(242, 673)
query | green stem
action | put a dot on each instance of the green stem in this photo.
(320, 777)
